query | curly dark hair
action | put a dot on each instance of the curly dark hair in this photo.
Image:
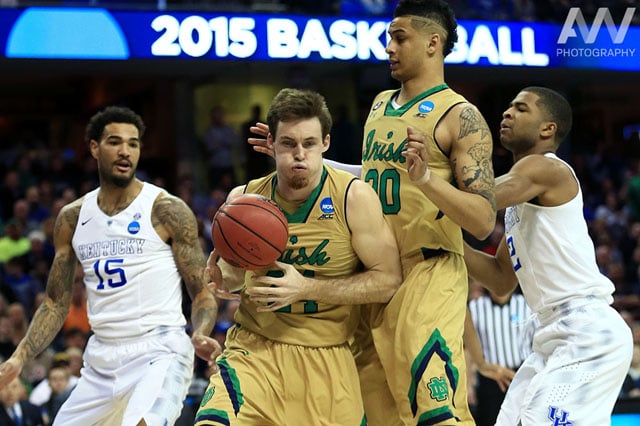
(435, 10)
(112, 114)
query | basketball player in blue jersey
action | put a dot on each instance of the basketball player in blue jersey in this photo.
(582, 347)
(136, 244)
(427, 153)
(287, 360)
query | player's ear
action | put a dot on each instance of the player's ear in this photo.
(93, 148)
(548, 129)
(326, 143)
(434, 42)
(270, 140)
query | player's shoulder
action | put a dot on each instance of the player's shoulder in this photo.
(544, 166)
(361, 193)
(72, 209)
(236, 192)
(540, 160)
(169, 208)
(385, 94)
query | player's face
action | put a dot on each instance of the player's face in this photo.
(298, 151)
(118, 153)
(521, 123)
(406, 49)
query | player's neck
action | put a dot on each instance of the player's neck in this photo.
(420, 84)
(112, 199)
(293, 196)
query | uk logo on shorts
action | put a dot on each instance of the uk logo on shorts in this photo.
(559, 417)
(326, 206)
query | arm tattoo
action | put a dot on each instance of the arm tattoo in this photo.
(176, 217)
(48, 319)
(471, 122)
(478, 176)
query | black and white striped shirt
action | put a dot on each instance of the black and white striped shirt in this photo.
(502, 329)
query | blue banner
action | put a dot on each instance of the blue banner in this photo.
(95, 33)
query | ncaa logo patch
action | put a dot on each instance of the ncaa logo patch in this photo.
(326, 205)
(426, 107)
(134, 227)
(327, 208)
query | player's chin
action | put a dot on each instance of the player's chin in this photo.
(298, 180)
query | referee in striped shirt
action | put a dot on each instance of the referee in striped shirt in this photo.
(500, 325)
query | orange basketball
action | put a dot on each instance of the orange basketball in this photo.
(250, 231)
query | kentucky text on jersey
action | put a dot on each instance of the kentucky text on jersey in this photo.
(110, 248)
(376, 151)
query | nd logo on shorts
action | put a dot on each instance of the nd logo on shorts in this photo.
(438, 388)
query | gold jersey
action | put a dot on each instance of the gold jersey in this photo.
(419, 226)
(319, 246)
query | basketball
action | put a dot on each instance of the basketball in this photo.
(250, 231)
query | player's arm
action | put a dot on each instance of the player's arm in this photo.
(50, 315)
(501, 375)
(175, 222)
(373, 242)
(536, 177)
(494, 272)
(472, 203)
(376, 247)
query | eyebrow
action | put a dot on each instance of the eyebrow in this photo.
(110, 136)
(518, 103)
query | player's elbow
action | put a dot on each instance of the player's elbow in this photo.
(482, 225)
(392, 285)
(505, 284)
(481, 229)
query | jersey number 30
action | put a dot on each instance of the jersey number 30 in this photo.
(110, 273)
(390, 199)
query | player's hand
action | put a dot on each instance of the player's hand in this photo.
(502, 376)
(215, 281)
(278, 292)
(417, 156)
(208, 349)
(9, 370)
(260, 144)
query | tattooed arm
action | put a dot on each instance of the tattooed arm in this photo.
(175, 223)
(464, 134)
(48, 319)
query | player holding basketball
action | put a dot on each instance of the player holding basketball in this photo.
(582, 347)
(136, 243)
(288, 357)
(427, 152)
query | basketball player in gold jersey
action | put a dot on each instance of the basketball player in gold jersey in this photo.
(288, 360)
(429, 191)
(427, 152)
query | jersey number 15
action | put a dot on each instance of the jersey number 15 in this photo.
(110, 273)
